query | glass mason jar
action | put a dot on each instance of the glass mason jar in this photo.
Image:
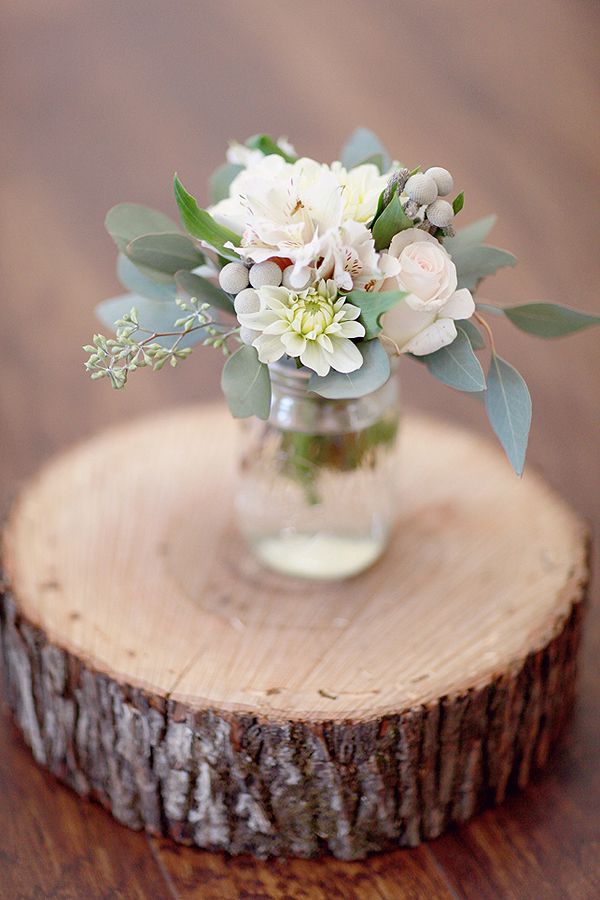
(316, 495)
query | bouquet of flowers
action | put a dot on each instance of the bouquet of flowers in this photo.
(335, 267)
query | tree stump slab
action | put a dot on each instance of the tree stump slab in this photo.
(153, 665)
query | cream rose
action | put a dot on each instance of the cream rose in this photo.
(424, 321)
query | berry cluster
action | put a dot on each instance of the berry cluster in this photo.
(424, 189)
(242, 283)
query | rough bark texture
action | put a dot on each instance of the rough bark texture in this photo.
(244, 784)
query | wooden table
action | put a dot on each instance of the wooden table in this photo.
(105, 100)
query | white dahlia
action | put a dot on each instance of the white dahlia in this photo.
(315, 325)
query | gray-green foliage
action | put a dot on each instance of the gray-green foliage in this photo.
(473, 259)
(127, 221)
(246, 384)
(135, 280)
(196, 286)
(373, 374)
(548, 320)
(220, 181)
(372, 305)
(508, 406)
(167, 252)
(154, 340)
(364, 146)
(456, 365)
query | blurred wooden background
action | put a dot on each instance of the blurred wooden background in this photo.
(101, 102)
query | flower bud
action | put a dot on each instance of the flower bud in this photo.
(247, 335)
(442, 178)
(233, 278)
(265, 273)
(247, 301)
(440, 213)
(421, 189)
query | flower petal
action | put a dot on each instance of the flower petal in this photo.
(351, 329)
(315, 358)
(346, 356)
(460, 305)
(437, 335)
(269, 348)
(294, 343)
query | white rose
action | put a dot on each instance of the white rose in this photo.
(423, 321)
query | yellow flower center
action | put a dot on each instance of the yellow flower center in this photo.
(312, 313)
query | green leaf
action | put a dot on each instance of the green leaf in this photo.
(508, 406)
(372, 305)
(473, 333)
(472, 234)
(204, 290)
(478, 261)
(456, 365)
(128, 221)
(268, 146)
(220, 181)
(201, 224)
(361, 147)
(153, 315)
(458, 202)
(549, 320)
(166, 253)
(373, 374)
(246, 384)
(392, 220)
(137, 280)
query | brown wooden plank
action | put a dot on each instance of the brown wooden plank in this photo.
(403, 875)
(54, 846)
(105, 100)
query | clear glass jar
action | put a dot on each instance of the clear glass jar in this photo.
(317, 486)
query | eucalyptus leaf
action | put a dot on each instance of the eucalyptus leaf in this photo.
(392, 220)
(475, 233)
(195, 286)
(167, 253)
(246, 384)
(268, 146)
(549, 320)
(478, 261)
(153, 315)
(473, 333)
(201, 224)
(456, 365)
(373, 373)
(508, 406)
(139, 282)
(220, 181)
(362, 145)
(372, 305)
(128, 221)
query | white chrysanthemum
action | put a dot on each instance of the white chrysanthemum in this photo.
(311, 214)
(315, 325)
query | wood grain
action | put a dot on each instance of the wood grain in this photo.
(155, 666)
(102, 102)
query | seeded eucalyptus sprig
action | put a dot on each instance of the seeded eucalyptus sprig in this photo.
(135, 347)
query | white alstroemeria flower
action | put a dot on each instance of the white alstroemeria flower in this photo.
(315, 325)
(347, 255)
(304, 212)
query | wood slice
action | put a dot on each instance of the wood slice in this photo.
(153, 665)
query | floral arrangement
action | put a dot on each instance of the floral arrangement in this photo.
(337, 268)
